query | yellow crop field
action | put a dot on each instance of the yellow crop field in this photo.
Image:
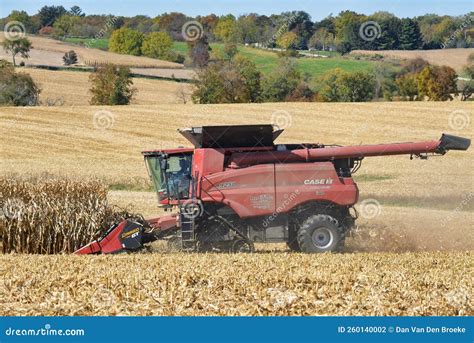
(55, 49)
(412, 258)
(106, 142)
(257, 284)
(71, 88)
(455, 58)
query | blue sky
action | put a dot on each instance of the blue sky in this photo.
(317, 9)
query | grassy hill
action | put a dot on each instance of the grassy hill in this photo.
(455, 58)
(265, 60)
(100, 43)
(48, 51)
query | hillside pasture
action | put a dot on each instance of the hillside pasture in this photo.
(455, 58)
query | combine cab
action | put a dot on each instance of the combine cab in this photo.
(237, 187)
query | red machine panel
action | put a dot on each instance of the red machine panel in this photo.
(248, 191)
(298, 183)
(207, 161)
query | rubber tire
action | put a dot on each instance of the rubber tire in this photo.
(314, 222)
(293, 245)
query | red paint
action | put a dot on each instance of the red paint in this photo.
(109, 244)
(332, 153)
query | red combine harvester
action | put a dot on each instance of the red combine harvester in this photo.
(236, 187)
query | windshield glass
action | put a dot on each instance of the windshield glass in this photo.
(171, 176)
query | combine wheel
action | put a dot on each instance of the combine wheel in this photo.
(319, 233)
(242, 246)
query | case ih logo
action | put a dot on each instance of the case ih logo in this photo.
(318, 182)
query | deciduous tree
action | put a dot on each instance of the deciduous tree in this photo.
(126, 41)
(111, 85)
(157, 45)
(17, 89)
(15, 47)
(437, 83)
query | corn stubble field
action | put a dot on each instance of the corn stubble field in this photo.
(57, 88)
(414, 257)
(260, 284)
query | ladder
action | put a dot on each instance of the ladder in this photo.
(188, 235)
(187, 220)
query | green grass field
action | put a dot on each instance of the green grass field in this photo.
(265, 60)
(101, 43)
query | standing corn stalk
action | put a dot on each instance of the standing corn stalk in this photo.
(52, 216)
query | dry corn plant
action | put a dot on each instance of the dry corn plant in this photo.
(261, 284)
(49, 216)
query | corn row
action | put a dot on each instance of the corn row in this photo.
(52, 215)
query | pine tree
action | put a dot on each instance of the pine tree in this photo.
(70, 58)
(410, 35)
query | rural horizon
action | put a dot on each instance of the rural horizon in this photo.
(317, 9)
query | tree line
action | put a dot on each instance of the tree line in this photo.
(288, 30)
(237, 80)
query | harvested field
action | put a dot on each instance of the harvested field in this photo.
(71, 88)
(184, 74)
(392, 266)
(55, 50)
(455, 58)
(260, 284)
(67, 141)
